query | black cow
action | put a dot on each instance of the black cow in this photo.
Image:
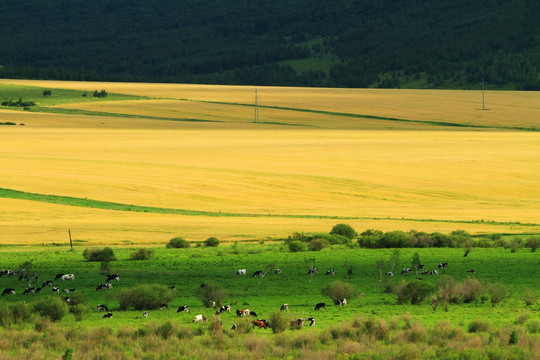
(183, 308)
(330, 272)
(257, 273)
(471, 271)
(58, 276)
(163, 306)
(108, 315)
(172, 288)
(102, 307)
(46, 283)
(111, 277)
(38, 290)
(252, 313)
(320, 306)
(8, 291)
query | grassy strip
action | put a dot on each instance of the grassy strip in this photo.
(103, 113)
(106, 205)
(372, 117)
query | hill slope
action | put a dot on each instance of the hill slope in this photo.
(365, 43)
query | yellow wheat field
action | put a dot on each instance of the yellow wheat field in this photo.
(378, 174)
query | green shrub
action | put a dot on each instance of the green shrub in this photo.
(106, 254)
(145, 297)
(344, 230)
(297, 246)
(211, 242)
(498, 293)
(479, 325)
(414, 291)
(165, 330)
(318, 244)
(528, 295)
(77, 298)
(141, 254)
(449, 290)
(395, 239)
(338, 290)
(78, 311)
(279, 321)
(52, 307)
(177, 243)
(211, 294)
(533, 242)
(471, 290)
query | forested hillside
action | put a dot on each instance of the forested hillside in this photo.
(356, 43)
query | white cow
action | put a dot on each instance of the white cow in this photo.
(241, 272)
(67, 277)
(199, 318)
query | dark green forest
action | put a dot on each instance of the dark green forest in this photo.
(348, 43)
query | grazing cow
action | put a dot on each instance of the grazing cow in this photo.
(145, 314)
(433, 272)
(38, 290)
(224, 308)
(330, 272)
(313, 270)
(284, 307)
(172, 288)
(257, 273)
(103, 287)
(425, 272)
(277, 271)
(8, 291)
(241, 272)
(199, 318)
(66, 277)
(56, 290)
(320, 306)
(111, 277)
(163, 306)
(243, 312)
(406, 271)
(65, 290)
(203, 285)
(234, 327)
(183, 308)
(252, 313)
(420, 267)
(261, 324)
(442, 265)
(108, 315)
(102, 307)
(46, 283)
(72, 290)
(29, 290)
(58, 276)
(311, 321)
(389, 273)
(471, 271)
(67, 300)
(342, 302)
(297, 324)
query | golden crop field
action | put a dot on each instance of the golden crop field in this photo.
(312, 162)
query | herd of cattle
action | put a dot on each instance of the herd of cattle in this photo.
(260, 323)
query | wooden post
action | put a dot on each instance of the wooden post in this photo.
(70, 242)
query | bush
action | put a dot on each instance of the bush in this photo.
(100, 94)
(18, 312)
(279, 321)
(414, 291)
(479, 325)
(498, 293)
(106, 254)
(533, 242)
(395, 239)
(344, 230)
(528, 295)
(297, 246)
(471, 290)
(177, 243)
(318, 244)
(449, 290)
(211, 242)
(145, 296)
(52, 307)
(338, 290)
(211, 294)
(141, 254)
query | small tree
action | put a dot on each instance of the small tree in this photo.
(211, 294)
(297, 246)
(416, 262)
(349, 265)
(414, 291)
(380, 266)
(318, 244)
(177, 243)
(533, 242)
(338, 290)
(498, 293)
(344, 230)
(279, 321)
(145, 296)
(52, 307)
(106, 254)
(394, 259)
(141, 254)
(211, 242)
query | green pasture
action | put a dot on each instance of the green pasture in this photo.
(187, 269)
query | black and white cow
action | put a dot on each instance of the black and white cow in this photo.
(330, 272)
(163, 306)
(241, 272)
(311, 321)
(172, 288)
(389, 273)
(257, 273)
(471, 271)
(183, 308)
(58, 276)
(67, 277)
(224, 308)
(56, 290)
(433, 272)
(111, 277)
(104, 287)
(341, 302)
(406, 271)
(443, 265)
(313, 270)
(320, 306)
(108, 315)
(284, 307)
(425, 272)
(277, 271)
(145, 314)
(102, 307)
(199, 318)
(29, 290)
(47, 283)
(38, 290)
(8, 291)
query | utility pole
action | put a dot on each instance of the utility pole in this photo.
(483, 98)
(256, 107)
